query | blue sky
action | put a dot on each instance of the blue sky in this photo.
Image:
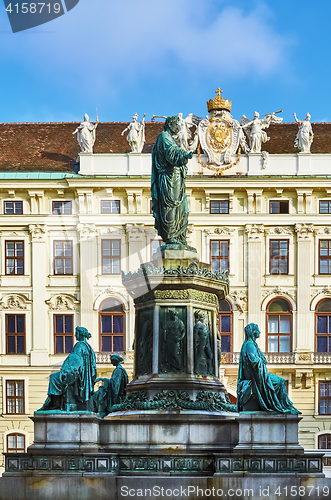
(165, 57)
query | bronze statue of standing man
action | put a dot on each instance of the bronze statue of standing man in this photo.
(169, 202)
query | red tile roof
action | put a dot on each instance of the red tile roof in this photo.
(51, 147)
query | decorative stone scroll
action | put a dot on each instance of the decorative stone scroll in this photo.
(279, 230)
(239, 298)
(278, 291)
(304, 231)
(177, 400)
(62, 302)
(14, 301)
(323, 230)
(37, 231)
(193, 269)
(220, 230)
(87, 231)
(254, 231)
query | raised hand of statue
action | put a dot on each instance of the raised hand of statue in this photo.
(189, 155)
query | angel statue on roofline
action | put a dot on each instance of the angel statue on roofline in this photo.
(187, 137)
(255, 129)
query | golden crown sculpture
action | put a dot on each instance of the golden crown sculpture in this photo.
(219, 102)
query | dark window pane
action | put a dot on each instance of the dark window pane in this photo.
(118, 344)
(20, 345)
(68, 344)
(58, 324)
(20, 324)
(283, 207)
(58, 344)
(274, 207)
(322, 324)
(11, 344)
(118, 324)
(225, 324)
(106, 324)
(225, 343)
(106, 343)
(322, 344)
(224, 305)
(11, 326)
(68, 324)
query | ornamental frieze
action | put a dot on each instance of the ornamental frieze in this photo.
(186, 294)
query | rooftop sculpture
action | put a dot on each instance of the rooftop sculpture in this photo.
(255, 129)
(136, 135)
(305, 136)
(86, 134)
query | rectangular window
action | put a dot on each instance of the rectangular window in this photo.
(63, 333)
(278, 258)
(62, 207)
(219, 255)
(324, 259)
(225, 332)
(63, 261)
(325, 207)
(219, 207)
(278, 207)
(110, 207)
(112, 332)
(15, 334)
(324, 407)
(14, 256)
(15, 443)
(13, 207)
(15, 396)
(111, 256)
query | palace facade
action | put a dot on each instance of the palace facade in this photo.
(65, 238)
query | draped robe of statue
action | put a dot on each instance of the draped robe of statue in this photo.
(118, 382)
(169, 202)
(255, 381)
(78, 371)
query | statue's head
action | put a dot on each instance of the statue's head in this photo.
(82, 333)
(172, 313)
(116, 359)
(252, 331)
(200, 315)
(86, 117)
(256, 114)
(172, 125)
(308, 117)
(135, 117)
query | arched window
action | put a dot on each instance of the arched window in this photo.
(279, 326)
(324, 442)
(112, 326)
(225, 325)
(323, 326)
(15, 443)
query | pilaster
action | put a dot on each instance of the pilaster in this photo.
(88, 268)
(254, 270)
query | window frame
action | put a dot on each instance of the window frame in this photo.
(63, 258)
(63, 335)
(219, 207)
(323, 257)
(63, 202)
(111, 211)
(327, 334)
(15, 450)
(15, 258)
(15, 397)
(220, 257)
(279, 204)
(101, 314)
(329, 207)
(328, 436)
(111, 257)
(279, 257)
(280, 313)
(227, 334)
(328, 382)
(7, 334)
(14, 202)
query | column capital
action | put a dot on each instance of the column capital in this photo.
(254, 231)
(38, 232)
(86, 231)
(304, 231)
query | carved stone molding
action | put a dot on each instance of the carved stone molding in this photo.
(304, 231)
(87, 231)
(186, 294)
(254, 231)
(239, 298)
(323, 230)
(278, 290)
(135, 232)
(14, 301)
(279, 230)
(220, 230)
(38, 232)
(62, 302)
(107, 292)
(113, 230)
(324, 291)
